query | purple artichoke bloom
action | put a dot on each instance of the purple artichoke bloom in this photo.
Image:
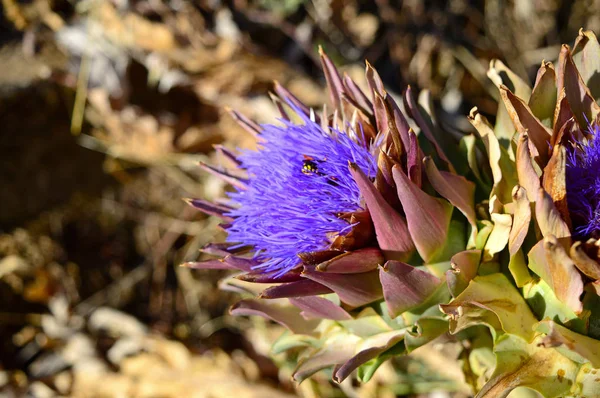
(342, 204)
(298, 183)
(583, 185)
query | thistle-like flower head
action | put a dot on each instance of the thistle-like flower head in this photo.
(346, 218)
(298, 184)
(583, 185)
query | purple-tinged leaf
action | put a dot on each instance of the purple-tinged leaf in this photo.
(414, 159)
(228, 154)
(362, 260)
(369, 349)
(349, 103)
(224, 249)
(384, 181)
(374, 81)
(458, 190)
(301, 288)
(354, 290)
(399, 120)
(384, 166)
(405, 287)
(288, 317)
(291, 99)
(398, 138)
(270, 277)
(279, 105)
(228, 262)
(387, 127)
(247, 124)
(315, 258)
(415, 112)
(225, 176)
(428, 218)
(357, 95)
(390, 228)
(332, 76)
(315, 307)
(212, 209)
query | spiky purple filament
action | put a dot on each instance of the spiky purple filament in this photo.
(583, 186)
(298, 183)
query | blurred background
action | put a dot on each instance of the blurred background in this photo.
(106, 107)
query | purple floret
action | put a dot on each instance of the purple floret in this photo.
(298, 182)
(583, 186)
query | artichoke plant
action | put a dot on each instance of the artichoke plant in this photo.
(541, 302)
(345, 223)
(369, 232)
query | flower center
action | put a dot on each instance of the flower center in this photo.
(298, 181)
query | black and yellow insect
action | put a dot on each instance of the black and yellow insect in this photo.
(310, 166)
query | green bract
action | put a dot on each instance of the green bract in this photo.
(541, 303)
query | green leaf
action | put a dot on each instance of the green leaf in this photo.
(557, 335)
(498, 238)
(336, 349)
(468, 147)
(544, 94)
(425, 330)
(367, 323)
(591, 309)
(586, 56)
(545, 305)
(526, 365)
(491, 300)
(500, 74)
(518, 269)
(287, 341)
(501, 163)
(588, 382)
(366, 371)
(482, 360)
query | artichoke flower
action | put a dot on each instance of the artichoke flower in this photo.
(345, 223)
(537, 289)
